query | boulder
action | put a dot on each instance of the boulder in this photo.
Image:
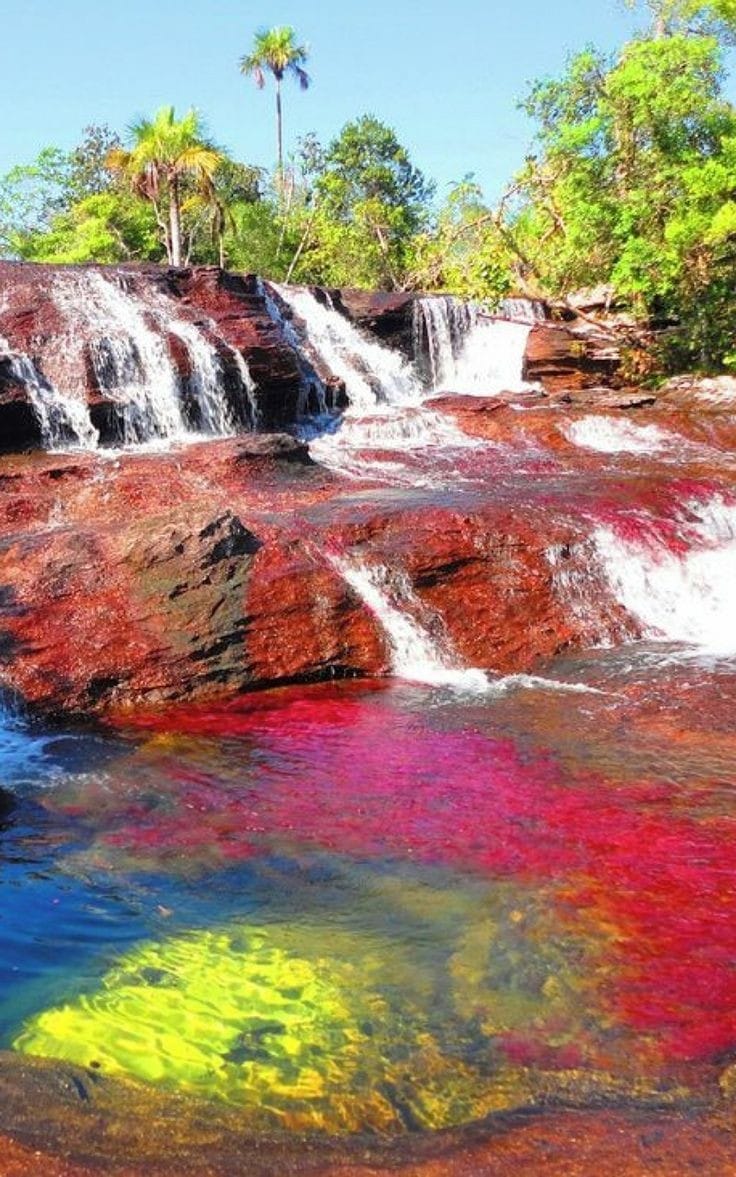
(387, 315)
(561, 358)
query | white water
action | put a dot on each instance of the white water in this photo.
(64, 420)
(687, 597)
(372, 374)
(415, 654)
(248, 385)
(611, 435)
(206, 381)
(386, 410)
(127, 334)
(471, 352)
(130, 359)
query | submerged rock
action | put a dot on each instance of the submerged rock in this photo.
(296, 1028)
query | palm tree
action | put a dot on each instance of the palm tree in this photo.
(276, 51)
(164, 152)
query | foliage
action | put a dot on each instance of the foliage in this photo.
(30, 196)
(464, 252)
(164, 155)
(106, 227)
(276, 51)
(368, 202)
(89, 174)
(689, 16)
(632, 182)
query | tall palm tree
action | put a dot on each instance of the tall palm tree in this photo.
(275, 51)
(164, 152)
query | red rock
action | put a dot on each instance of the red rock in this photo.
(387, 315)
(560, 357)
(229, 310)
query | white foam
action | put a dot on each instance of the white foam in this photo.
(415, 655)
(471, 352)
(614, 435)
(679, 596)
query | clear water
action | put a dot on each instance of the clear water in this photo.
(384, 911)
(423, 907)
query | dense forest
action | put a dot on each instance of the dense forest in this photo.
(629, 185)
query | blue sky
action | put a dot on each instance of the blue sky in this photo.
(445, 73)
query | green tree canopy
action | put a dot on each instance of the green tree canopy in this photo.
(164, 154)
(631, 181)
(369, 201)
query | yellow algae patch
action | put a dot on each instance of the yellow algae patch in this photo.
(299, 1027)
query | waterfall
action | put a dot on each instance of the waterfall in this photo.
(128, 331)
(680, 589)
(64, 420)
(441, 326)
(206, 382)
(372, 374)
(316, 398)
(465, 350)
(248, 386)
(131, 361)
(415, 654)
(385, 411)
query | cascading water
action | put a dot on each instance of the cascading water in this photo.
(469, 351)
(131, 361)
(127, 333)
(611, 435)
(386, 410)
(679, 591)
(415, 654)
(206, 381)
(248, 386)
(64, 420)
(316, 399)
(372, 374)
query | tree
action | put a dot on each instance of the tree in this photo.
(89, 174)
(33, 195)
(165, 153)
(632, 185)
(275, 51)
(463, 252)
(668, 17)
(30, 196)
(368, 203)
(108, 227)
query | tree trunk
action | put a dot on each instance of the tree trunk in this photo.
(279, 132)
(174, 224)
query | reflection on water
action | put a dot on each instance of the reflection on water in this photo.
(352, 908)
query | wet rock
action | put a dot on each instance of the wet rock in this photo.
(19, 424)
(273, 448)
(387, 315)
(605, 398)
(48, 317)
(561, 358)
(705, 394)
(7, 808)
